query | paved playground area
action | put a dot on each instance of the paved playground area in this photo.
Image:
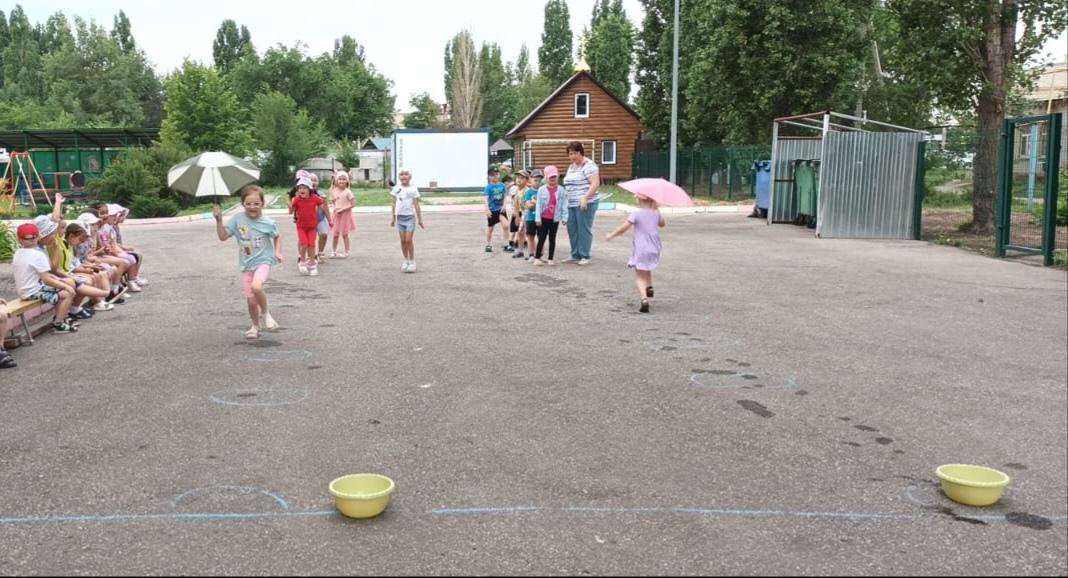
(781, 411)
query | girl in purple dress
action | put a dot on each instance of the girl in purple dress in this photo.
(645, 254)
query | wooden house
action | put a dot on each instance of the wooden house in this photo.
(582, 110)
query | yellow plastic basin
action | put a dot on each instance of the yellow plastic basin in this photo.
(362, 495)
(972, 485)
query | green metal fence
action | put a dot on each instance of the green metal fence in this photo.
(718, 173)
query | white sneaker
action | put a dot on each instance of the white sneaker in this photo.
(313, 270)
(269, 323)
(333, 254)
(133, 287)
(302, 267)
(583, 261)
(103, 306)
(411, 266)
(141, 281)
(252, 333)
(404, 266)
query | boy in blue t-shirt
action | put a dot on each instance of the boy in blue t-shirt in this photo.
(530, 215)
(495, 192)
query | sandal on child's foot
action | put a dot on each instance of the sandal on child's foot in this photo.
(645, 306)
(269, 323)
(252, 333)
(649, 291)
(63, 327)
(6, 361)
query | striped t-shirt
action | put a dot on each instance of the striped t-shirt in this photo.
(577, 182)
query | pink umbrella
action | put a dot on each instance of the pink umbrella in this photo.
(662, 191)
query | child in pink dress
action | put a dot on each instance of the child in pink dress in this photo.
(645, 253)
(344, 223)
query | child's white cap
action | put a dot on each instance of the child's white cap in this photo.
(304, 181)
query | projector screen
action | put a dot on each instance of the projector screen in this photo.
(445, 160)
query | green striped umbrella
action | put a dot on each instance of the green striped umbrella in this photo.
(212, 174)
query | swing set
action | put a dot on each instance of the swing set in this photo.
(20, 176)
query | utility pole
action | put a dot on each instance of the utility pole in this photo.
(675, 101)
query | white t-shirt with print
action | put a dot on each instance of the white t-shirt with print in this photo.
(406, 197)
(27, 267)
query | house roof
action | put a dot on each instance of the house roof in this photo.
(381, 143)
(499, 146)
(87, 138)
(557, 92)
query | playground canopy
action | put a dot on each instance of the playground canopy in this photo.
(82, 138)
(62, 159)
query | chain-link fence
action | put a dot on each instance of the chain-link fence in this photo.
(716, 173)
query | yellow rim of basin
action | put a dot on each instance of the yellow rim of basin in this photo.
(338, 494)
(1003, 481)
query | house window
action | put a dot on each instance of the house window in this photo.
(582, 105)
(608, 152)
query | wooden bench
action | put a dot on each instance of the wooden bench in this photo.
(19, 308)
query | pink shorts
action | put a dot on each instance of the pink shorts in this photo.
(248, 277)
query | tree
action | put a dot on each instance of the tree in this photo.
(610, 48)
(122, 33)
(970, 55)
(22, 60)
(522, 65)
(231, 46)
(286, 133)
(762, 59)
(654, 53)
(425, 112)
(498, 93)
(202, 112)
(554, 57)
(465, 81)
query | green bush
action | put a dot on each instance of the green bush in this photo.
(143, 172)
(7, 242)
(1062, 212)
(148, 206)
(127, 176)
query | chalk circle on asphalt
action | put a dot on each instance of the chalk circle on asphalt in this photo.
(735, 379)
(270, 356)
(229, 500)
(261, 396)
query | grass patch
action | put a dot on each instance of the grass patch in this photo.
(1060, 259)
(367, 197)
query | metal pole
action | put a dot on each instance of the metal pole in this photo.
(675, 100)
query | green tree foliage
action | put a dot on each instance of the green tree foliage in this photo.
(203, 113)
(231, 46)
(554, 57)
(424, 112)
(971, 55)
(653, 60)
(288, 135)
(498, 92)
(747, 71)
(82, 74)
(463, 81)
(123, 34)
(349, 95)
(522, 65)
(610, 47)
(22, 60)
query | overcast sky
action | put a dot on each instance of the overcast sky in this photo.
(404, 39)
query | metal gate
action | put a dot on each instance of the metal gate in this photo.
(1027, 185)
